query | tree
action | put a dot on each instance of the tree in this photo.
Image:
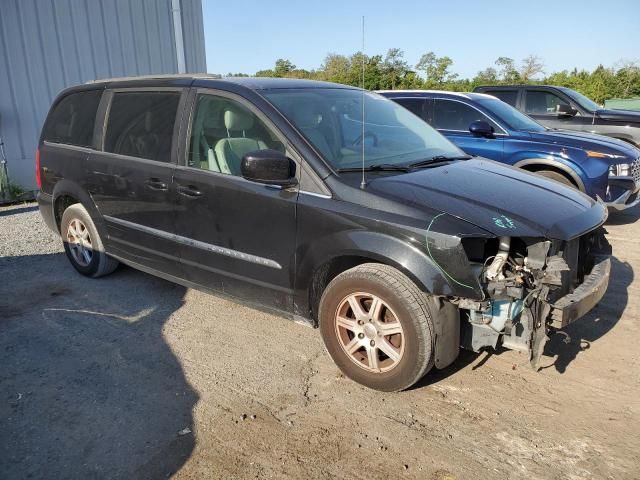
(508, 71)
(531, 66)
(335, 68)
(283, 67)
(487, 76)
(394, 67)
(436, 70)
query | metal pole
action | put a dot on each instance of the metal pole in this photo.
(179, 37)
(5, 194)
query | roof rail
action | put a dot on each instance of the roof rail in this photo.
(158, 76)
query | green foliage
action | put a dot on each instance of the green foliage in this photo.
(392, 71)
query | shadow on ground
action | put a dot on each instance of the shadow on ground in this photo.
(90, 388)
(14, 211)
(594, 325)
(624, 217)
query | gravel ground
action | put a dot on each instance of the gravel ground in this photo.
(130, 376)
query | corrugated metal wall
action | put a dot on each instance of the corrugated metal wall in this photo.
(48, 45)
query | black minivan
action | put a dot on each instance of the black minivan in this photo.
(327, 204)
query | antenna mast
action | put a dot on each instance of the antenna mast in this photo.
(363, 183)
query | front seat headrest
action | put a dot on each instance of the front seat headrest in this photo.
(236, 119)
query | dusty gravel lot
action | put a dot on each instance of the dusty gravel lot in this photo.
(98, 377)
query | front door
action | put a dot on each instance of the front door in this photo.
(236, 236)
(452, 118)
(131, 179)
(542, 105)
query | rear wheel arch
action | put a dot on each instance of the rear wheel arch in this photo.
(66, 193)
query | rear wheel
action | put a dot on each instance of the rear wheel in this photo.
(83, 245)
(558, 177)
(377, 327)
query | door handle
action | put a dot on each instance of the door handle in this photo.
(189, 191)
(156, 184)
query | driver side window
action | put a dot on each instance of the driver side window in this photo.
(223, 131)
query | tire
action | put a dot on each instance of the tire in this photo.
(82, 243)
(402, 309)
(558, 177)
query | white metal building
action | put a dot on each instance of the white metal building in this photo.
(48, 45)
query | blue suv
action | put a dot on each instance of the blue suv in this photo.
(482, 125)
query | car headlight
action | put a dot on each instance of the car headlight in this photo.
(620, 170)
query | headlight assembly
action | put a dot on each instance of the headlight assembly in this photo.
(620, 170)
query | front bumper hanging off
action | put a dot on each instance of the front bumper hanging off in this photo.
(571, 307)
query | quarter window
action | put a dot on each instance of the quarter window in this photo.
(452, 115)
(141, 124)
(223, 132)
(539, 102)
(72, 120)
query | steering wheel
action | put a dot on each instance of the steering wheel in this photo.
(360, 139)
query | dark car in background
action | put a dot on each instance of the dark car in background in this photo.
(482, 125)
(254, 188)
(564, 108)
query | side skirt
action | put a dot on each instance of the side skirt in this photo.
(186, 283)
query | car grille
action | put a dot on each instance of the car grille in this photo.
(635, 171)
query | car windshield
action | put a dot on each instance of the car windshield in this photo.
(513, 118)
(331, 120)
(584, 102)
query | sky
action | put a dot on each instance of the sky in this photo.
(249, 35)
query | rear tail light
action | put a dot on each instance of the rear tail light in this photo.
(38, 179)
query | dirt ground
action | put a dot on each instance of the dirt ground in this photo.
(130, 376)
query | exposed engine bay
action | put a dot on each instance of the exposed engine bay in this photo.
(532, 287)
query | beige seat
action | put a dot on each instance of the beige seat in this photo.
(229, 151)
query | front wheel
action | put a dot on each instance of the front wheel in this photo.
(558, 177)
(83, 245)
(377, 327)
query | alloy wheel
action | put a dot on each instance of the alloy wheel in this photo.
(79, 242)
(369, 332)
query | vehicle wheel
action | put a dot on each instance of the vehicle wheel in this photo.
(558, 177)
(377, 327)
(82, 243)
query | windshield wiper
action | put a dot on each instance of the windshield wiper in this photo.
(438, 159)
(382, 167)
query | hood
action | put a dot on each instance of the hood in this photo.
(619, 115)
(497, 198)
(587, 141)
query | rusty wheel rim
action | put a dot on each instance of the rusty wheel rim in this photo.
(369, 332)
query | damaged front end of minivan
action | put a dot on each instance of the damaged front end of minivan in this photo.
(531, 287)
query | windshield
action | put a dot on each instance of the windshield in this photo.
(331, 120)
(584, 102)
(509, 115)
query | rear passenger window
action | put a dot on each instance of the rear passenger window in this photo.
(140, 124)
(507, 96)
(414, 105)
(72, 120)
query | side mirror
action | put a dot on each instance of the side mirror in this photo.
(480, 128)
(269, 166)
(564, 110)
